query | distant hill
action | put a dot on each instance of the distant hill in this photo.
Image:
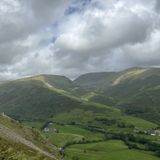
(37, 97)
(40, 97)
(96, 81)
(103, 80)
(135, 91)
(18, 142)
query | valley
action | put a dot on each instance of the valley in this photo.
(97, 116)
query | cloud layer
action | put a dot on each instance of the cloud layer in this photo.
(73, 37)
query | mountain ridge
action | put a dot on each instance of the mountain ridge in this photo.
(46, 95)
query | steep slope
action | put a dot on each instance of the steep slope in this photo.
(103, 80)
(34, 98)
(18, 142)
(96, 81)
(59, 83)
(135, 91)
(50, 103)
(39, 98)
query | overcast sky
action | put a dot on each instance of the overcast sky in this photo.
(72, 37)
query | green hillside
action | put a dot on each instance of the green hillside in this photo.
(135, 91)
(35, 98)
(103, 80)
(21, 143)
(96, 81)
(77, 116)
(38, 98)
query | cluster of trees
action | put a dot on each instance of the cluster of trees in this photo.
(131, 140)
(75, 158)
(106, 121)
(82, 141)
(128, 138)
(111, 122)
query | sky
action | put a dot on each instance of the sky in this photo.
(72, 37)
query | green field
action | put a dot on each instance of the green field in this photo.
(77, 131)
(69, 133)
(35, 124)
(60, 139)
(111, 150)
(139, 123)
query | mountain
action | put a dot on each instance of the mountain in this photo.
(135, 91)
(97, 109)
(103, 80)
(40, 97)
(36, 97)
(19, 142)
(96, 80)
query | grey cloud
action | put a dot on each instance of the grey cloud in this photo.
(110, 35)
(100, 36)
(21, 19)
(157, 6)
(48, 9)
(10, 52)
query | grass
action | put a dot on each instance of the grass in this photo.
(111, 150)
(107, 150)
(85, 117)
(40, 99)
(70, 133)
(34, 124)
(60, 139)
(139, 123)
(79, 131)
(12, 149)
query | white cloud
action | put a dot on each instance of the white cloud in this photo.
(98, 35)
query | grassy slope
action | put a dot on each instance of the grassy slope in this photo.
(140, 96)
(39, 98)
(136, 91)
(83, 112)
(96, 81)
(12, 148)
(32, 98)
(82, 118)
(69, 133)
(35, 98)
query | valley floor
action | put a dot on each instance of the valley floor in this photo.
(110, 150)
(80, 143)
